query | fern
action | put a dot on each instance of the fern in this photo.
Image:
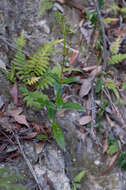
(36, 69)
(20, 62)
(117, 58)
(33, 80)
(112, 86)
(34, 99)
(46, 81)
(115, 46)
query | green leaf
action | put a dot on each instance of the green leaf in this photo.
(51, 114)
(101, 3)
(78, 185)
(112, 149)
(39, 137)
(72, 69)
(58, 135)
(73, 105)
(109, 20)
(117, 58)
(121, 160)
(59, 103)
(70, 80)
(99, 85)
(124, 85)
(112, 86)
(79, 176)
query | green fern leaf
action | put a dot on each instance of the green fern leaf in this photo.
(115, 46)
(34, 99)
(116, 58)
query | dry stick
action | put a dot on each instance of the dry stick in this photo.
(105, 55)
(27, 162)
(4, 125)
(93, 113)
(115, 109)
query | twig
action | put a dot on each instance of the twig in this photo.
(115, 109)
(27, 162)
(105, 54)
(93, 113)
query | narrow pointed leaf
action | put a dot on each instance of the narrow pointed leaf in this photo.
(58, 135)
(73, 105)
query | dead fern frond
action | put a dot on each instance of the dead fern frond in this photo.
(33, 80)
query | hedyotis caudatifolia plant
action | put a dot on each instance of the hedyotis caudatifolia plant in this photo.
(40, 74)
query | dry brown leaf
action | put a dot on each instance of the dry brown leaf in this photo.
(84, 120)
(87, 83)
(114, 158)
(96, 72)
(111, 123)
(86, 86)
(105, 146)
(14, 93)
(30, 135)
(19, 118)
(39, 147)
(74, 57)
(89, 69)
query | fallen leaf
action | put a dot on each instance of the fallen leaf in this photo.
(30, 135)
(105, 146)
(84, 120)
(96, 72)
(39, 147)
(19, 118)
(74, 57)
(14, 93)
(114, 158)
(86, 86)
(89, 69)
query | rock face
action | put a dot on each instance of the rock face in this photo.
(55, 168)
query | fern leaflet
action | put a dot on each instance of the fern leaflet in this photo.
(117, 58)
(115, 46)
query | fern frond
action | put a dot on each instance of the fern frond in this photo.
(112, 86)
(34, 99)
(117, 58)
(33, 80)
(45, 81)
(30, 71)
(115, 46)
(20, 63)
